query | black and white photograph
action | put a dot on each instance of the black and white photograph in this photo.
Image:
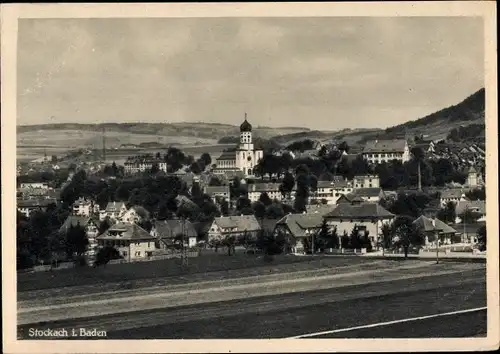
(234, 176)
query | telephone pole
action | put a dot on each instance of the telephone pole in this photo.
(103, 144)
(184, 249)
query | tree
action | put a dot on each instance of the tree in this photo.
(344, 241)
(175, 159)
(404, 232)
(269, 244)
(264, 199)
(313, 183)
(481, 236)
(354, 238)
(275, 211)
(206, 158)
(418, 156)
(214, 181)
(106, 254)
(387, 233)
(287, 185)
(302, 169)
(243, 202)
(259, 209)
(155, 169)
(195, 168)
(343, 147)
(76, 241)
(448, 213)
(104, 225)
(323, 239)
(196, 191)
(302, 193)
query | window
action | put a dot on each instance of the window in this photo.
(125, 253)
(138, 253)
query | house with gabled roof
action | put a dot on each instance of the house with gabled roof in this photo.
(130, 240)
(477, 207)
(114, 211)
(271, 189)
(237, 226)
(431, 228)
(365, 216)
(215, 192)
(454, 195)
(168, 232)
(331, 191)
(296, 228)
(378, 151)
(368, 194)
(28, 206)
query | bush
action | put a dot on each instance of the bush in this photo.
(105, 255)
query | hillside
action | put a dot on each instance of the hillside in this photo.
(469, 111)
(201, 130)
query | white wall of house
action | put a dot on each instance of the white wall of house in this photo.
(374, 228)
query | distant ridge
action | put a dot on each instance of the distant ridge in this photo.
(470, 110)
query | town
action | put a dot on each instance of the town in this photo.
(305, 198)
(248, 177)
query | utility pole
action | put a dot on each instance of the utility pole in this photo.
(103, 144)
(463, 220)
(184, 254)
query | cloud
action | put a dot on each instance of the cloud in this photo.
(283, 71)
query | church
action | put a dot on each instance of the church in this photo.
(244, 158)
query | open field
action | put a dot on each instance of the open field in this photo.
(283, 308)
(151, 273)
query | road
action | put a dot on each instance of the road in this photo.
(312, 311)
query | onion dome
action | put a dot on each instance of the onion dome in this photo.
(245, 126)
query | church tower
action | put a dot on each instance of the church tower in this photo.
(472, 177)
(246, 155)
(246, 135)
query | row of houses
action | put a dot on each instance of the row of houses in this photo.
(329, 192)
(134, 243)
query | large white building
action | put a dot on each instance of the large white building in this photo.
(244, 158)
(379, 151)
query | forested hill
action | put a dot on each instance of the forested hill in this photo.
(469, 111)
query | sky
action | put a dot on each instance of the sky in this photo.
(325, 73)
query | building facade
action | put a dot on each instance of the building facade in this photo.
(379, 151)
(130, 240)
(245, 157)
